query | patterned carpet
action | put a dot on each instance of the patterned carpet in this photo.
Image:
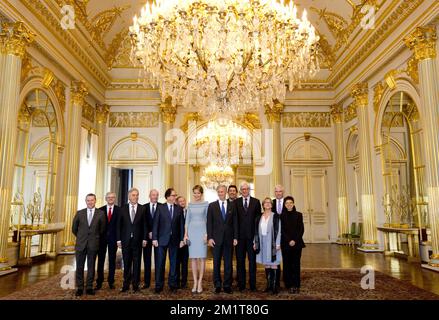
(317, 284)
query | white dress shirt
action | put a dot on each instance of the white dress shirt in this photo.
(225, 205)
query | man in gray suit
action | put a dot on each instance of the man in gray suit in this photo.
(88, 227)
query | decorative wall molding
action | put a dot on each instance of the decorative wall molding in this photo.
(134, 119)
(88, 112)
(398, 16)
(306, 119)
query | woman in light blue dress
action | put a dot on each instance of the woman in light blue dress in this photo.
(196, 236)
(267, 243)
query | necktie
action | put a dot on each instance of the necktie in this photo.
(109, 214)
(279, 207)
(245, 204)
(133, 213)
(90, 216)
(223, 211)
(153, 210)
(170, 211)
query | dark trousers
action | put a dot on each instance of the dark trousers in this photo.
(182, 266)
(222, 251)
(147, 262)
(291, 266)
(81, 256)
(161, 263)
(245, 248)
(112, 250)
(132, 255)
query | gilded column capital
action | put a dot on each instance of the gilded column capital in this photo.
(423, 42)
(360, 93)
(102, 112)
(168, 111)
(337, 112)
(14, 38)
(274, 113)
(78, 92)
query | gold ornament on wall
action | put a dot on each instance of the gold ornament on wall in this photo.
(14, 38)
(423, 42)
(102, 112)
(377, 95)
(134, 119)
(350, 112)
(78, 92)
(88, 112)
(337, 112)
(360, 92)
(306, 120)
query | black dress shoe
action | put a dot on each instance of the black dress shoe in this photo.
(253, 289)
(79, 292)
(183, 286)
(293, 290)
(124, 289)
(173, 289)
(241, 289)
(98, 287)
(90, 292)
(145, 286)
(218, 290)
(228, 290)
(158, 290)
(112, 287)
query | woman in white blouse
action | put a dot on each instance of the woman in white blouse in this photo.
(267, 243)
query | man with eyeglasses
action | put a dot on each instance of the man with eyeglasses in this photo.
(167, 235)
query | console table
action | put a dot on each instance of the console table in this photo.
(392, 242)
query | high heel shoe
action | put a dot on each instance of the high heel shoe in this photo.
(200, 288)
(194, 289)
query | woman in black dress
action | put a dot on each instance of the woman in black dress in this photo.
(291, 244)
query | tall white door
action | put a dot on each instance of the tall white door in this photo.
(309, 189)
(142, 180)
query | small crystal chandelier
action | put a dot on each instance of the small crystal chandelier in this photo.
(215, 175)
(221, 142)
(223, 56)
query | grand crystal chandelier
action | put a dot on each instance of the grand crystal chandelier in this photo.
(229, 56)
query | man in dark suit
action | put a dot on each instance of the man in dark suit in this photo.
(151, 209)
(88, 227)
(248, 209)
(183, 253)
(132, 235)
(109, 242)
(232, 193)
(278, 206)
(167, 234)
(222, 232)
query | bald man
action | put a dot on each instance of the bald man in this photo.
(151, 209)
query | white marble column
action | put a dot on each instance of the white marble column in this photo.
(274, 116)
(370, 235)
(14, 38)
(423, 42)
(168, 112)
(78, 92)
(102, 112)
(342, 200)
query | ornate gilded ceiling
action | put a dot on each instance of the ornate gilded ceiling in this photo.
(108, 21)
